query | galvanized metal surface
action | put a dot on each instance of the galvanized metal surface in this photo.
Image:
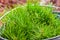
(54, 38)
(1, 38)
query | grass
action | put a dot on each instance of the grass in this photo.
(30, 22)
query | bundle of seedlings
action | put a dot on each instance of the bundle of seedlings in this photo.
(30, 22)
